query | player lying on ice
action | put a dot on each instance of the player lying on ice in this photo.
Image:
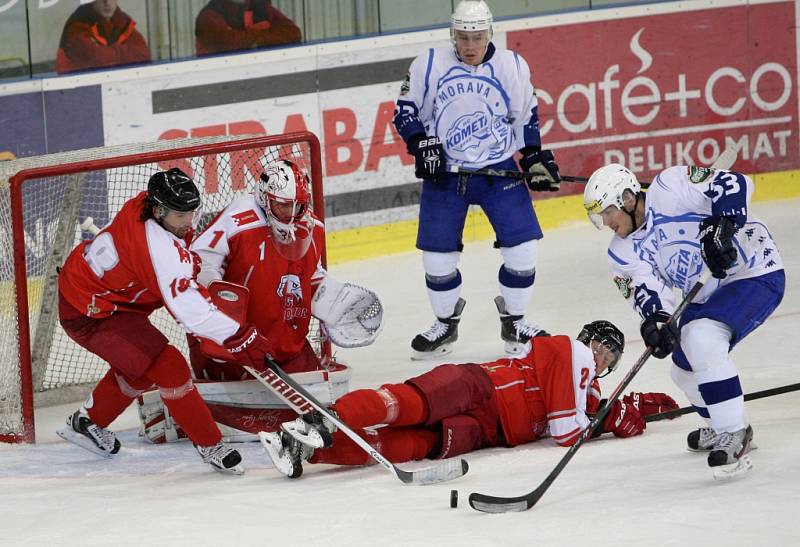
(457, 408)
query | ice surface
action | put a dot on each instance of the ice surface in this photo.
(646, 490)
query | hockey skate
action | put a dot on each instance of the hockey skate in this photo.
(729, 456)
(222, 458)
(701, 440)
(313, 430)
(83, 432)
(286, 453)
(438, 340)
(515, 331)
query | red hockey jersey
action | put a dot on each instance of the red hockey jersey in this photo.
(137, 266)
(550, 389)
(237, 247)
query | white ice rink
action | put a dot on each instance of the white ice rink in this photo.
(646, 490)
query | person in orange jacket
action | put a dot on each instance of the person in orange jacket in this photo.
(99, 35)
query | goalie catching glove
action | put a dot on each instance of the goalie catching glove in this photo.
(351, 316)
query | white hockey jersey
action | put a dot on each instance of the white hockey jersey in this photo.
(664, 253)
(483, 114)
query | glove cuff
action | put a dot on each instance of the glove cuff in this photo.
(413, 141)
(530, 150)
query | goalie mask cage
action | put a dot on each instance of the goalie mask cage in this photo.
(45, 205)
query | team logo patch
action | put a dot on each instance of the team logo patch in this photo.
(699, 174)
(290, 288)
(405, 87)
(624, 285)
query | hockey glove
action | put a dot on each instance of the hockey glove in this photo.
(658, 335)
(716, 244)
(248, 347)
(429, 160)
(623, 420)
(650, 403)
(543, 168)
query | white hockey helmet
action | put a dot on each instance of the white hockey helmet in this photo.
(283, 192)
(605, 188)
(470, 16)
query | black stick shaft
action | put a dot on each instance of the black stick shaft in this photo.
(669, 414)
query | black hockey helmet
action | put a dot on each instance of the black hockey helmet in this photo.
(607, 334)
(174, 190)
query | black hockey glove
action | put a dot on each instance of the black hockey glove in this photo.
(543, 168)
(660, 337)
(716, 244)
(429, 160)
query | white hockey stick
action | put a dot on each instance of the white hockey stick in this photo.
(726, 159)
(303, 402)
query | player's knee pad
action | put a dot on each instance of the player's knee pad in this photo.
(705, 343)
(440, 264)
(133, 388)
(405, 404)
(169, 371)
(521, 258)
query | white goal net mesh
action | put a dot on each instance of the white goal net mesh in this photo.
(94, 184)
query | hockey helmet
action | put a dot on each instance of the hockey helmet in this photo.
(470, 16)
(605, 188)
(283, 193)
(607, 334)
(174, 190)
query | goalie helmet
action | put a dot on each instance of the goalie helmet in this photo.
(470, 16)
(607, 334)
(605, 188)
(283, 193)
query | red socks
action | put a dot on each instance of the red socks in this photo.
(396, 404)
(398, 445)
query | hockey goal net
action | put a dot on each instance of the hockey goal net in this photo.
(48, 204)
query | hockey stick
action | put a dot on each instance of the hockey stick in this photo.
(499, 504)
(669, 414)
(303, 402)
(508, 173)
(724, 161)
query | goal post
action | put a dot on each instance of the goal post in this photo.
(46, 203)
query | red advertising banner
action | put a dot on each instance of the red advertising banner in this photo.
(659, 90)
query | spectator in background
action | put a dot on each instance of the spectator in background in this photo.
(231, 25)
(97, 35)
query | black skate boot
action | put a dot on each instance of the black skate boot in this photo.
(312, 429)
(438, 340)
(286, 453)
(701, 440)
(515, 331)
(729, 455)
(82, 431)
(222, 458)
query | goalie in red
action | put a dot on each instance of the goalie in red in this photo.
(454, 409)
(272, 243)
(107, 289)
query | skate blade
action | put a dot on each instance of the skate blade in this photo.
(70, 435)
(517, 348)
(438, 352)
(725, 472)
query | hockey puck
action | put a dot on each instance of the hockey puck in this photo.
(453, 498)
